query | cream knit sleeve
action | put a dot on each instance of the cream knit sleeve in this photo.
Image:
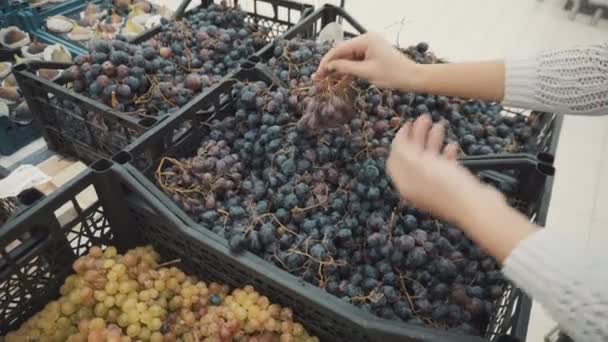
(570, 282)
(571, 81)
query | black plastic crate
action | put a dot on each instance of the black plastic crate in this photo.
(71, 123)
(38, 249)
(143, 157)
(513, 311)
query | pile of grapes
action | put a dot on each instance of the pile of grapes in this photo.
(160, 75)
(479, 127)
(319, 205)
(133, 297)
(296, 175)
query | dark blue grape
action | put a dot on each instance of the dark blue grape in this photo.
(402, 310)
(417, 257)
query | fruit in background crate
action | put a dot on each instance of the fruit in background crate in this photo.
(5, 69)
(80, 33)
(35, 50)
(122, 4)
(218, 39)
(9, 81)
(142, 6)
(59, 24)
(88, 21)
(57, 53)
(132, 28)
(116, 19)
(105, 31)
(12, 37)
(92, 13)
(10, 94)
(115, 297)
(48, 74)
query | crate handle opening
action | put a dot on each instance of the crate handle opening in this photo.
(30, 196)
(101, 165)
(546, 157)
(546, 169)
(148, 122)
(248, 65)
(122, 157)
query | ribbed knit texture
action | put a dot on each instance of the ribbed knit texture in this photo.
(571, 81)
(567, 280)
(570, 282)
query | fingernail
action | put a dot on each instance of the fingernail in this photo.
(331, 68)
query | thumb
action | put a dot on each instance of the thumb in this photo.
(359, 69)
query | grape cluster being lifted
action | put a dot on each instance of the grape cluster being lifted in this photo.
(318, 204)
(133, 297)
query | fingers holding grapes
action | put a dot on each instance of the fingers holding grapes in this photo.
(369, 57)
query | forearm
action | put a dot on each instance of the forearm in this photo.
(478, 80)
(495, 226)
(571, 81)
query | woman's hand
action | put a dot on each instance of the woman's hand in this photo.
(372, 58)
(429, 178)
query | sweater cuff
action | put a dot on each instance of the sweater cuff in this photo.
(546, 250)
(520, 82)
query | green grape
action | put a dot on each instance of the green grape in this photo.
(156, 310)
(133, 330)
(123, 320)
(97, 324)
(133, 316)
(155, 324)
(110, 252)
(157, 337)
(68, 308)
(145, 334)
(124, 287)
(111, 287)
(109, 302)
(100, 310)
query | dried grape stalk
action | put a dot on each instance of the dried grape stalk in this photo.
(330, 104)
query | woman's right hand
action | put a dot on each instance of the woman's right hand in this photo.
(427, 175)
(370, 57)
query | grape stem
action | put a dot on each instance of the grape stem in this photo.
(170, 262)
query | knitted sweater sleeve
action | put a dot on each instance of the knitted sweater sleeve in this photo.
(568, 281)
(571, 81)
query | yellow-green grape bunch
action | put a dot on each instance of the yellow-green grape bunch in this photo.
(131, 297)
